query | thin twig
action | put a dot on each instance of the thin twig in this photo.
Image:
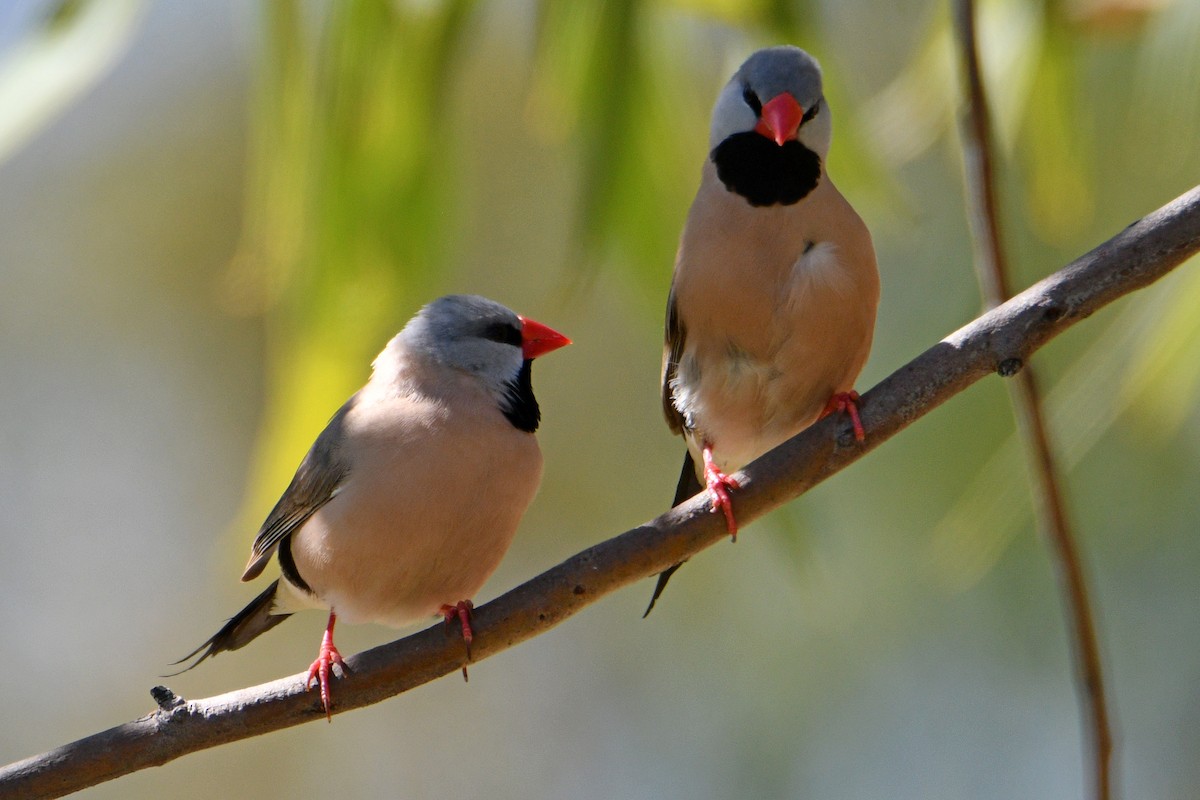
(991, 266)
(1000, 341)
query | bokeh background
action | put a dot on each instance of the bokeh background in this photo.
(213, 214)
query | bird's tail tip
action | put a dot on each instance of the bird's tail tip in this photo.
(242, 628)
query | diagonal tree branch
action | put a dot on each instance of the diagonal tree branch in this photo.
(991, 266)
(1000, 341)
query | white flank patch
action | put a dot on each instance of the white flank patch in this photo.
(818, 270)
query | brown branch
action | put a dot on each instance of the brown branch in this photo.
(999, 341)
(991, 267)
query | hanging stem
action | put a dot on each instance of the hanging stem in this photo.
(992, 270)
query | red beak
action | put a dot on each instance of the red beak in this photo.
(538, 339)
(780, 118)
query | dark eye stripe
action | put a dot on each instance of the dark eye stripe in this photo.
(503, 332)
(752, 100)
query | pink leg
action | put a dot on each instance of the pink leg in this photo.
(461, 611)
(321, 668)
(847, 402)
(719, 484)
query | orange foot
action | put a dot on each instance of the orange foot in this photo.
(719, 484)
(323, 666)
(847, 402)
(461, 611)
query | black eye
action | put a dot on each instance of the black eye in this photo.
(752, 100)
(812, 112)
(503, 332)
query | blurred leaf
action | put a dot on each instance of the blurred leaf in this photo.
(732, 12)
(1165, 106)
(564, 52)
(632, 83)
(354, 176)
(609, 88)
(79, 42)
(352, 173)
(1162, 380)
(793, 20)
(1112, 17)
(588, 69)
(1011, 41)
(917, 107)
(1127, 370)
(1059, 195)
(1144, 368)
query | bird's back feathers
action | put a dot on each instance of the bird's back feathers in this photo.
(315, 483)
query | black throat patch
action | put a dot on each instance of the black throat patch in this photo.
(520, 406)
(764, 173)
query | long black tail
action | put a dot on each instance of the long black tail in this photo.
(246, 625)
(688, 487)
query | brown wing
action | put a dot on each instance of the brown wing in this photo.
(672, 352)
(317, 480)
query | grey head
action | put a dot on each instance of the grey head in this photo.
(468, 333)
(473, 335)
(765, 75)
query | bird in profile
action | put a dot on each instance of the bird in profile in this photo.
(412, 493)
(772, 304)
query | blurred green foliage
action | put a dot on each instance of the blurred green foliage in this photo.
(402, 148)
(354, 184)
(351, 206)
(65, 51)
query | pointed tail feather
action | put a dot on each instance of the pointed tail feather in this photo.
(246, 625)
(688, 486)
